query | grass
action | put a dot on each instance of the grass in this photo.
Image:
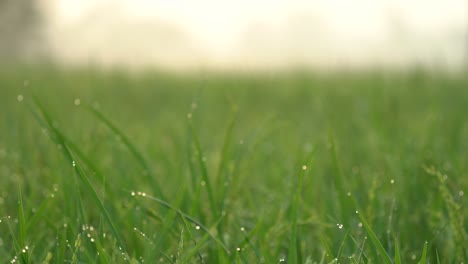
(283, 168)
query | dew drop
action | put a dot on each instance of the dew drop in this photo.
(73, 163)
(77, 101)
(242, 229)
(348, 194)
(20, 98)
(189, 116)
(392, 181)
(238, 249)
(461, 193)
(133, 193)
(197, 227)
(340, 226)
(304, 167)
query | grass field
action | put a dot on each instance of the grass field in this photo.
(107, 167)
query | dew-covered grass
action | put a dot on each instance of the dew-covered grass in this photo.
(115, 167)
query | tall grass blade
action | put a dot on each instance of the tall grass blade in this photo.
(424, 254)
(293, 248)
(133, 150)
(339, 182)
(189, 218)
(204, 171)
(397, 252)
(375, 241)
(82, 175)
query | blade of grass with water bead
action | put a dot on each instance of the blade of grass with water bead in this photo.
(187, 226)
(167, 224)
(424, 254)
(204, 239)
(22, 226)
(375, 241)
(247, 240)
(133, 150)
(338, 180)
(80, 172)
(189, 218)
(293, 252)
(204, 170)
(342, 245)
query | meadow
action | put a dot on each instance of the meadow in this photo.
(116, 167)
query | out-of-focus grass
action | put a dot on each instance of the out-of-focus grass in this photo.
(227, 154)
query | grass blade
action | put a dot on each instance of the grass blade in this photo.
(378, 246)
(203, 170)
(424, 254)
(338, 180)
(80, 172)
(293, 249)
(133, 150)
(189, 218)
(397, 252)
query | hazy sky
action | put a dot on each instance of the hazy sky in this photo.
(259, 34)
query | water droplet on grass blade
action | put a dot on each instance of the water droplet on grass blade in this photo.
(20, 98)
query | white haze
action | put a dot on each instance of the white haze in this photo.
(260, 34)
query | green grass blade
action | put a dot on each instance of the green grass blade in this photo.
(224, 156)
(339, 182)
(82, 176)
(424, 254)
(397, 252)
(204, 171)
(133, 150)
(375, 241)
(189, 218)
(293, 249)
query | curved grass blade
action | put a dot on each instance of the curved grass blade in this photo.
(133, 150)
(190, 219)
(80, 172)
(204, 171)
(378, 246)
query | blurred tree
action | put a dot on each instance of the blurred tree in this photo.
(20, 30)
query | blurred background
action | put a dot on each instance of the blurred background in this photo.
(237, 35)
